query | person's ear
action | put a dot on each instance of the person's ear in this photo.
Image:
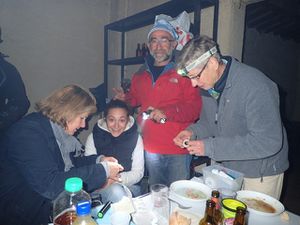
(213, 63)
(174, 44)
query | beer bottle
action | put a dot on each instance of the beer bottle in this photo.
(138, 51)
(240, 216)
(208, 218)
(218, 215)
(144, 50)
(215, 196)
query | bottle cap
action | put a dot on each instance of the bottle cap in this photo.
(215, 194)
(83, 208)
(73, 184)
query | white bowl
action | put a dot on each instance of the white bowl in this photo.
(190, 190)
(277, 205)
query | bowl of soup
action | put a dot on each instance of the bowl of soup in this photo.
(260, 204)
(190, 193)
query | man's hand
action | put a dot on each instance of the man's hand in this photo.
(119, 94)
(181, 137)
(196, 148)
(156, 114)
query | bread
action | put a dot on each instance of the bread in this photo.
(177, 219)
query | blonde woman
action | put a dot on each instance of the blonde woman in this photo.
(40, 152)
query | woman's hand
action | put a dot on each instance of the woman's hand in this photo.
(109, 159)
(182, 136)
(114, 169)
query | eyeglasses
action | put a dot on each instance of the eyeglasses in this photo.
(200, 73)
(162, 41)
(185, 70)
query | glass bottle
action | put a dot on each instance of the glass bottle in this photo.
(144, 50)
(83, 211)
(64, 206)
(215, 196)
(138, 51)
(208, 218)
(240, 216)
(218, 215)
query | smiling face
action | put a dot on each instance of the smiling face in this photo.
(116, 121)
(161, 46)
(76, 123)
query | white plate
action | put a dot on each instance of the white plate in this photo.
(144, 218)
(195, 219)
(277, 205)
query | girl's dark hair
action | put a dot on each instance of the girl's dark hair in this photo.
(117, 104)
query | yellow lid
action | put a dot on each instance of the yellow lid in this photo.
(231, 204)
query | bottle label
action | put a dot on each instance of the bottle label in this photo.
(228, 221)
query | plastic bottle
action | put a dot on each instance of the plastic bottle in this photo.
(83, 211)
(64, 206)
(208, 218)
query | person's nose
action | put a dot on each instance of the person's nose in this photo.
(83, 124)
(116, 125)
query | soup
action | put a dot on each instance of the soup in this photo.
(258, 205)
(191, 193)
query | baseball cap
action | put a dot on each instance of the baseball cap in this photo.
(165, 26)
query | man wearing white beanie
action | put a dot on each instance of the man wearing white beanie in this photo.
(169, 98)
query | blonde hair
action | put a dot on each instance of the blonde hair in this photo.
(66, 103)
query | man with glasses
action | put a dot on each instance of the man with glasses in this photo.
(240, 124)
(171, 102)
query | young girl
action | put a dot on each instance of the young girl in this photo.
(116, 138)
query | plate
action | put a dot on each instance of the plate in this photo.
(257, 197)
(195, 219)
(144, 218)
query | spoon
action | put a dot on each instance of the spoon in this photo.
(179, 204)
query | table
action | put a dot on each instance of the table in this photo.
(143, 203)
(257, 220)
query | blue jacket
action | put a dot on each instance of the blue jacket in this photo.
(32, 157)
(244, 130)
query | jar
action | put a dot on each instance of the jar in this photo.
(229, 206)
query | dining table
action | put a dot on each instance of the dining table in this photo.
(142, 205)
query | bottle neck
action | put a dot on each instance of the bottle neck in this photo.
(209, 215)
(239, 219)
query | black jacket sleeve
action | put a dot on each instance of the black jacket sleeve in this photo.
(13, 99)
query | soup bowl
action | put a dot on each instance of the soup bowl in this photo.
(260, 204)
(190, 193)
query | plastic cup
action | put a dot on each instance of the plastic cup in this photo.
(160, 202)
